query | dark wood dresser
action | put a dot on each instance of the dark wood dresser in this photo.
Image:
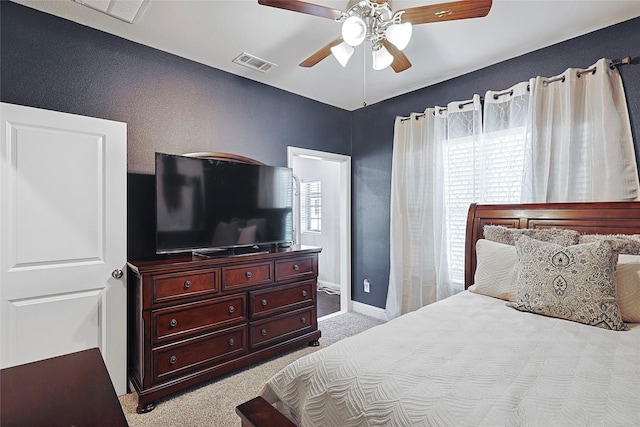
(194, 318)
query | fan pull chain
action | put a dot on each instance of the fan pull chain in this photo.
(364, 77)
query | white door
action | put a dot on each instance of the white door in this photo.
(62, 234)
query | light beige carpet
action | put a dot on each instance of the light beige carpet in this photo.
(213, 403)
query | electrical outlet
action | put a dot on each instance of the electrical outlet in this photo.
(367, 285)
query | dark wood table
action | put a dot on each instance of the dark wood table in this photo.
(70, 390)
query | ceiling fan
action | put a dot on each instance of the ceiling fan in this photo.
(375, 21)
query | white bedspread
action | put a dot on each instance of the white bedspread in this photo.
(467, 360)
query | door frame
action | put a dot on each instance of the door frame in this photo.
(344, 162)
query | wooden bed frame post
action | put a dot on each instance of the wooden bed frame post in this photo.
(258, 412)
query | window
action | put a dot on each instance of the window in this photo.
(482, 169)
(311, 206)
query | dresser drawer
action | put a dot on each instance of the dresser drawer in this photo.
(282, 298)
(272, 330)
(295, 268)
(168, 287)
(197, 354)
(200, 317)
(246, 275)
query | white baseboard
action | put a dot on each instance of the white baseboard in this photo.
(369, 310)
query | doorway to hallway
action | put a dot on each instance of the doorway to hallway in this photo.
(332, 232)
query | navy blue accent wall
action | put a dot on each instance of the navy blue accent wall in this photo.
(373, 134)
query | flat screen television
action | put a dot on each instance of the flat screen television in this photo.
(206, 205)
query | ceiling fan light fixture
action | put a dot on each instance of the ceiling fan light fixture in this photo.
(376, 22)
(354, 30)
(399, 34)
(342, 53)
(381, 57)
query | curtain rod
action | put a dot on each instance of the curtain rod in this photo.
(614, 63)
(462, 104)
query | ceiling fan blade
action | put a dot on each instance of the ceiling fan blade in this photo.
(304, 7)
(320, 54)
(448, 11)
(400, 61)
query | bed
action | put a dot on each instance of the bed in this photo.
(489, 355)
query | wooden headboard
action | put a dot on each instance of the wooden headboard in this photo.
(587, 218)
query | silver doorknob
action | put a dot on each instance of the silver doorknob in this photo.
(117, 273)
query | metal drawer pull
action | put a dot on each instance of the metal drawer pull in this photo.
(295, 267)
(173, 360)
(303, 320)
(187, 284)
(263, 302)
(263, 332)
(304, 293)
(231, 309)
(248, 274)
(231, 342)
(173, 322)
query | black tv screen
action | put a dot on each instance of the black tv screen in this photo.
(205, 204)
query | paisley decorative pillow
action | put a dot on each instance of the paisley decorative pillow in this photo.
(508, 236)
(574, 282)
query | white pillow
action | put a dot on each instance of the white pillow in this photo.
(628, 287)
(496, 271)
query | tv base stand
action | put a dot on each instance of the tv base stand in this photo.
(245, 250)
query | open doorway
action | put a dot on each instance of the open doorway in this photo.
(327, 179)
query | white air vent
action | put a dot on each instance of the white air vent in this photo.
(126, 10)
(254, 62)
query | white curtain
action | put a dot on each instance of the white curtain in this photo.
(505, 147)
(418, 274)
(419, 248)
(461, 178)
(581, 142)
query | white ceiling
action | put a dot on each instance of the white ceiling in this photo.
(214, 32)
